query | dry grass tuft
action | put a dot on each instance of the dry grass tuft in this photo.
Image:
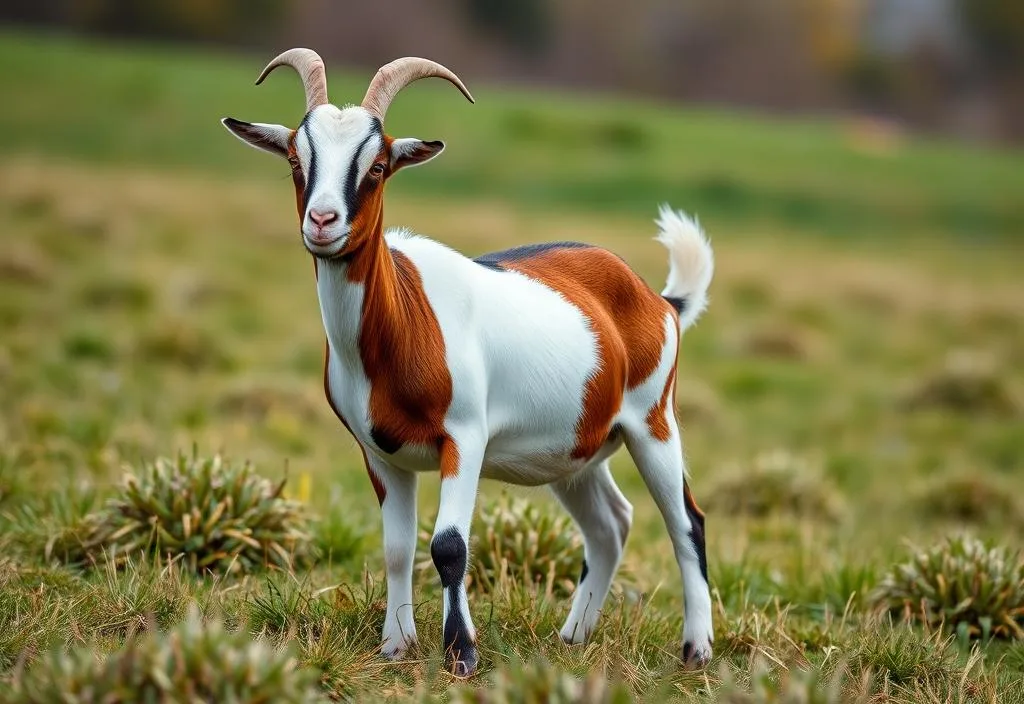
(515, 540)
(776, 483)
(970, 498)
(193, 662)
(178, 343)
(961, 584)
(213, 515)
(965, 385)
(539, 682)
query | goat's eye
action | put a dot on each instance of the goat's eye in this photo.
(377, 169)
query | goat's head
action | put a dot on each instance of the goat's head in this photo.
(340, 157)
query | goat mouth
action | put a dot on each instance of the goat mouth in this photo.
(325, 249)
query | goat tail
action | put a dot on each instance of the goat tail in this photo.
(691, 264)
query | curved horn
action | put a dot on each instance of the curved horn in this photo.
(396, 75)
(310, 68)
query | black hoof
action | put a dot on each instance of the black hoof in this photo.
(462, 663)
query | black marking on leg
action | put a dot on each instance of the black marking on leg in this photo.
(460, 656)
(584, 571)
(384, 440)
(687, 651)
(449, 553)
(696, 530)
(678, 303)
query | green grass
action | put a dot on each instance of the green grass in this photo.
(153, 295)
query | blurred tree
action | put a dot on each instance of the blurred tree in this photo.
(524, 24)
(997, 27)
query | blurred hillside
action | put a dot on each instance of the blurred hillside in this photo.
(954, 66)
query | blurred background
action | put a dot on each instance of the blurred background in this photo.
(855, 163)
(856, 381)
(954, 66)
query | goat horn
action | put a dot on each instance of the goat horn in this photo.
(310, 68)
(396, 75)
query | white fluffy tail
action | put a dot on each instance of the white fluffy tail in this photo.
(691, 264)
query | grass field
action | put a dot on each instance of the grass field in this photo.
(856, 383)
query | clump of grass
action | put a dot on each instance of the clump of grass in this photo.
(214, 515)
(963, 385)
(515, 539)
(896, 655)
(183, 345)
(795, 686)
(970, 498)
(117, 292)
(520, 540)
(774, 343)
(538, 682)
(776, 482)
(192, 662)
(258, 402)
(962, 584)
(754, 630)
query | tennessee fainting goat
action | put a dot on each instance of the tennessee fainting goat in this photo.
(532, 365)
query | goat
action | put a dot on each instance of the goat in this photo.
(531, 365)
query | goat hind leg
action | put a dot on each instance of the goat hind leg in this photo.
(604, 516)
(662, 468)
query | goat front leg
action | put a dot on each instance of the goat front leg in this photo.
(449, 548)
(396, 491)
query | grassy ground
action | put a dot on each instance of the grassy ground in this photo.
(864, 342)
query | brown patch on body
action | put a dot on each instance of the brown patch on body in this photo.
(624, 314)
(656, 417)
(403, 353)
(449, 455)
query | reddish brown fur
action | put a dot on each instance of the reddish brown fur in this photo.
(656, 421)
(626, 317)
(400, 341)
(449, 459)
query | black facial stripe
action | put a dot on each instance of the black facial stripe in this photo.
(350, 178)
(311, 180)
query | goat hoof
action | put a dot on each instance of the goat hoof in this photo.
(396, 652)
(694, 657)
(463, 663)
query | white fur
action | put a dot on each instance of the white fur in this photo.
(519, 355)
(691, 263)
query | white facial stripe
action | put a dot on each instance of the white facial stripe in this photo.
(336, 149)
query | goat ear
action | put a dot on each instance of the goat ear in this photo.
(413, 152)
(269, 138)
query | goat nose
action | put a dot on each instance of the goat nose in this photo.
(322, 219)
